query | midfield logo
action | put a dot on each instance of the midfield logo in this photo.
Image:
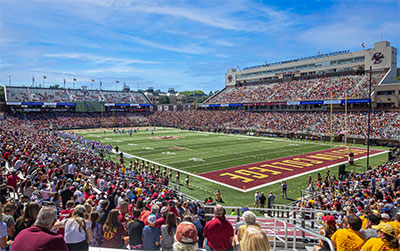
(378, 57)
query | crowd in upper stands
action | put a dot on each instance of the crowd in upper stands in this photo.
(27, 94)
(354, 86)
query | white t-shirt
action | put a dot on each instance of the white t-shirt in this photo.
(3, 232)
(72, 233)
(80, 197)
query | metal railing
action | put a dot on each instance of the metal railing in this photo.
(303, 230)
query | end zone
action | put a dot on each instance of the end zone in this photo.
(254, 176)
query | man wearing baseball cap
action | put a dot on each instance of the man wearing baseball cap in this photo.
(386, 239)
(151, 234)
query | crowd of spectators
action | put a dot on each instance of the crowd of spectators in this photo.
(27, 94)
(69, 198)
(383, 124)
(354, 86)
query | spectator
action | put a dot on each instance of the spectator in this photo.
(151, 234)
(386, 239)
(185, 237)
(135, 229)
(8, 217)
(327, 230)
(256, 199)
(66, 213)
(168, 232)
(254, 239)
(370, 232)
(29, 217)
(103, 211)
(200, 223)
(218, 233)
(349, 239)
(40, 236)
(161, 221)
(97, 230)
(249, 219)
(113, 230)
(78, 231)
(4, 244)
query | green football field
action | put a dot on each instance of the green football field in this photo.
(201, 152)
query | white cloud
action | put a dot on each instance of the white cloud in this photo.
(99, 59)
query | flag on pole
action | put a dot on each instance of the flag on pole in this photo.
(92, 80)
(44, 77)
(74, 79)
(117, 81)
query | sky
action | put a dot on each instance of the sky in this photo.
(185, 45)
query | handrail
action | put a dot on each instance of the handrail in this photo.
(277, 237)
(330, 243)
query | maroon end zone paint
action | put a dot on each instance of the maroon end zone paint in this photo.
(261, 173)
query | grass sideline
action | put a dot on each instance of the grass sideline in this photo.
(203, 152)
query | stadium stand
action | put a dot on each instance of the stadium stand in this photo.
(33, 94)
(297, 90)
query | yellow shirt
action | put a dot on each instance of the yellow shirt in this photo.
(364, 222)
(138, 192)
(218, 196)
(347, 240)
(396, 227)
(377, 244)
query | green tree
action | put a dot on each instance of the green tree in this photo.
(398, 78)
(56, 86)
(165, 100)
(188, 93)
(2, 94)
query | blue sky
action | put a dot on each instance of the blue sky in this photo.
(184, 45)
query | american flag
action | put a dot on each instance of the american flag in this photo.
(74, 79)
(117, 81)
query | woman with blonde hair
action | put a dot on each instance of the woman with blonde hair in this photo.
(78, 231)
(254, 239)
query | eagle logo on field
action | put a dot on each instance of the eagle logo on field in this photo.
(230, 78)
(378, 57)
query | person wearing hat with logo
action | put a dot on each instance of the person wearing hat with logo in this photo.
(327, 230)
(386, 239)
(151, 234)
(186, 237)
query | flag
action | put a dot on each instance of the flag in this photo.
(92, 80)
(44, 77)
(74, 79)
(117, 81)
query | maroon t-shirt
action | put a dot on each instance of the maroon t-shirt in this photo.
(113, 239)
(36, 238)
(13, 180)
(218, 232)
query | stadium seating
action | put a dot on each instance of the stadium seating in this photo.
(354, 86)
(28, 94)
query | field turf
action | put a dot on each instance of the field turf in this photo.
(202, 152)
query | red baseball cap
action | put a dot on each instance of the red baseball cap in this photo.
(329, 219)
(186, 232)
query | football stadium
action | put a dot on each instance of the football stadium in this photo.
(298, 154)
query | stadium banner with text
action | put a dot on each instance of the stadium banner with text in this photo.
(264, 173)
